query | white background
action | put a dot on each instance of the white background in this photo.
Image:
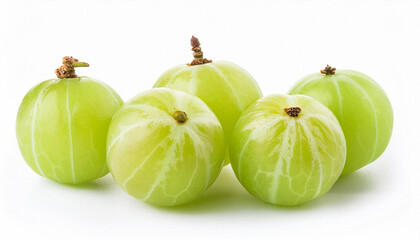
(130, 43)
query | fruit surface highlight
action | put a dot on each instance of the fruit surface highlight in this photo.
(62, 124)
(360, 105)
(225, 87)
(165, 147)
(287, 150)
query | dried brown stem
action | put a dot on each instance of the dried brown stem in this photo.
(293, 111)
(328, 70)
(198, 54)
(67, 69)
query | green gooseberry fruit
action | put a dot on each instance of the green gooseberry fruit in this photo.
(360, 105)
(165, 147)
(287, 150)
(225, 87)
(62, 125)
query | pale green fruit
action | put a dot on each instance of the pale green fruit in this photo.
(362, 108)
(62, 125)
(284, 159)
(162, 160)
(225, 87)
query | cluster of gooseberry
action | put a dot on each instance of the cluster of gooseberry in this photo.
(167, 145)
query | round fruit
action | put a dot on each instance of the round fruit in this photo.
(165, 147)
(225, 87)
(360, 105)
(62, 125)
(287, 150)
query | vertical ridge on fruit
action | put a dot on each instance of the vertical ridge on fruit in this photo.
(287, 150)
(33, 125)
(225, 87)
(70, 133)
(62, 123)
(362, 108)
(165, 147)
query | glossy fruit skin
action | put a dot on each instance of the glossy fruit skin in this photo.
(362, 108)
(62, 125)
(286, 160)
(159, 160)
(225, 87)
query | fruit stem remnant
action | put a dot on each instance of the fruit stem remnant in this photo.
(328, 70)
(293, 111)
(198, 54)
(67, 69)
(180, 116)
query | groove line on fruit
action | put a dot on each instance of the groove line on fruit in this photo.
(145, 107)
(204, 120)
(293, 141)
(375, 117)
(127, 129)
(317, 117)
(308, 177)
(301, 158)
(240, 158)
(278, 170)
(325, 123)
(171, 81)
(191, 179)
(314, 150)
(169, 156)
(117, 101)
(363, 76)
(235, 94)
(70, 134)
(254, 134)
(177, 101)
(198, 148)
(122, 133)
(340, 98)
(192, 84)
(240, 69)
(55, 174)
(124, 184)
(37, 103)
(321, 131)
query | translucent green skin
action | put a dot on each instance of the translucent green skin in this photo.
(159, 160)
(287, 160)
(62, 125)
(362, 108)
(225, 87)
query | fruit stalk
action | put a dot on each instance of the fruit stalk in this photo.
(328, 70)
(180, 116)
(293, 111)
(198, 54)
(67, 69)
